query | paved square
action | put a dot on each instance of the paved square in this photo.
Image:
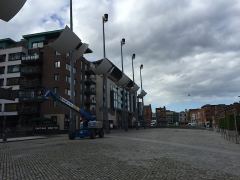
(143, 154)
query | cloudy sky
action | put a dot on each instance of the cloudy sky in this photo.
(190, 49)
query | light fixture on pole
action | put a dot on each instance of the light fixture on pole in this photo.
(105, 105)
(104, 20)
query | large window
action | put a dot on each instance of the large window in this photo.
(13, 69)
(13, 81)
(11, 107)
(57, 64)
(15, 56)
(37, 45)
(2, 57)
(2, 69)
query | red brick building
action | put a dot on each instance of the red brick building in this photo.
(148, 115)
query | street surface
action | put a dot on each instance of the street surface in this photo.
(137, 154)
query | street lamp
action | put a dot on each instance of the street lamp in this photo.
(104, 20)
(124, 103)
(72, 126)
(105, 106)
(133, 57)
(141, 67)
(122, 43)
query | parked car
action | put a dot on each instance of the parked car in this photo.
(191, 124)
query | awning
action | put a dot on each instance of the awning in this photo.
(9, 8)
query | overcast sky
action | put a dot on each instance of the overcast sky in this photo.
(190, 49)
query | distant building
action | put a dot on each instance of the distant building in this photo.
(196, 116)
(183, 117)
(154, 117)
(161, 117)
(148, 115)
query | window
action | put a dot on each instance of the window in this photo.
(54, 104)
(1, 82)
(68, 80)
(56, 77)
(2, 70)
(57, 64)
(2, 57)
(55, 89)
(68, 92)
(12, 81)
(74, 70)
(57, 53)
(11, 107)
(37, 45)
(68, 67)
(13, 69)
(15, 56)
(67, 55)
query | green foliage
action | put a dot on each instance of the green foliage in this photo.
(229, 122)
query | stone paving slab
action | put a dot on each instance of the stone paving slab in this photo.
(144, 154)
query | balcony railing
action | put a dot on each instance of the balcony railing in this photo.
(30, 70)
(31, 58)
(89, 81)
(29, 110)
(90, 102)
(90, 91)
(31, 83)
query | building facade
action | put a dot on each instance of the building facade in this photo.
(30, 67)
(148, 114)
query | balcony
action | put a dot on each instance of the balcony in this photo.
(30, 83)
(90, 91)
(29, 59)
(30, 70)
(89, 102)
(90, 81)
(28, 110)
(29, 96)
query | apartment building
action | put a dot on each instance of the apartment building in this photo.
(31, 66)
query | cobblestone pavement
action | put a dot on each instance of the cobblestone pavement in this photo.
(143, 154)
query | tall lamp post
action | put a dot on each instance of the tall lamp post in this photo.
(133, 57)
(72, 124)
(141, 67)
(124, 119)
(105, 105)
(135, 109)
